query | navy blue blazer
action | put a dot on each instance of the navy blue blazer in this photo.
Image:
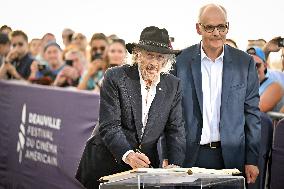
(240, 115)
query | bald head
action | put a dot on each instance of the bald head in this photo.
(210, 10)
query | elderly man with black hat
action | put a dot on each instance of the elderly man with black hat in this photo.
(139, 103)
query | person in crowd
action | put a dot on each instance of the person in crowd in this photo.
(46, 74)
(5, 45)
(34, 47)
(220, 99)
(75, 62)
(116, 56)
(98, 65)
(256, 42)
(6, 30)
(116, 53)
(48, 37)
(277, 65)
(270, 91)
(271, 46)
(128, 130)
(111, 38)
(19, 56)
(99, 45)
(67, 34)
(274, 53)
(232, 43)
(80, 41)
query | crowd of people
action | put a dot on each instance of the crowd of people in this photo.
(43, 61)
(81, 64)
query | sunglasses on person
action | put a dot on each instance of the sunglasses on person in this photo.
(95, 49)
(211, 28)
(20, 44)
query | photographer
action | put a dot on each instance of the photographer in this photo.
(47, 38)
(18, 57)
(73, 69)
(98, 65)
(46, 74)
(5, 45)
(115, 56)
(7, 68)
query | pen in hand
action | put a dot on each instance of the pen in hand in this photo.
(138, 151)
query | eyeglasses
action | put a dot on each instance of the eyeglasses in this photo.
(20, 44)
(152, 57)
(211, 28)
(95, 49)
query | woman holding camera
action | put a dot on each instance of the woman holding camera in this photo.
(116, 56)
(102, 59)
(98, 65)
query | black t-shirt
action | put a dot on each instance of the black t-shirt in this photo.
(23, 66)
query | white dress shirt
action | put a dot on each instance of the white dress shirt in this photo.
(212, 73)
(148, 96)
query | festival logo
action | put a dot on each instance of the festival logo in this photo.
(36, 138)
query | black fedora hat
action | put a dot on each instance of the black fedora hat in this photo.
(153, 39)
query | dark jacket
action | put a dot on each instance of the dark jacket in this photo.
(120, 125)
(239, 115)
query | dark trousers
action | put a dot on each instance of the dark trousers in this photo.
(210, 158)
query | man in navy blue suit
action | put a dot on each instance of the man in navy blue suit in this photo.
(220, 99)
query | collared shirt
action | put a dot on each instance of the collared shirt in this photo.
(212, 73)
(148, 96)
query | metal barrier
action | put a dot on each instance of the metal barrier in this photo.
(275, 115)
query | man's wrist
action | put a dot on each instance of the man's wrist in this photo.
(125, 155)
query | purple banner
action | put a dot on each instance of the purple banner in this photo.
(43, 132)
